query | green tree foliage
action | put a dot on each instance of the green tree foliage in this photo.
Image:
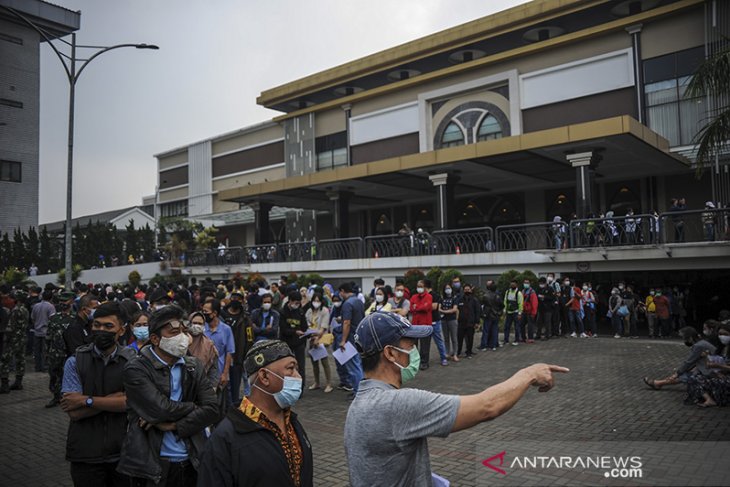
(411, 278)
(205, 238)
(434, 275)
(131, 240)
(448, 275)
(76, 272)
(12, 276)
(712, 78)
(506, 277)
(134, 278)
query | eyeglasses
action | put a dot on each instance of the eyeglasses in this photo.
(175, 324)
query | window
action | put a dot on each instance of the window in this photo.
(453, 136)
(176, 208)
(11, 103)
(10, 171)
(489, 129)
(331, 150)
(668, 112)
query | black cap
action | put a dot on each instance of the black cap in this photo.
(263, 353)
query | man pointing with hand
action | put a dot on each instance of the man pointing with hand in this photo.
(389, 425)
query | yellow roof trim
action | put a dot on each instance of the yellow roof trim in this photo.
(533, 140)
(496, 58)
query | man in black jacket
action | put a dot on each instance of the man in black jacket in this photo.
(78, 332)
(262, 443)
(170, 404)
(293, 324)
(93, 397)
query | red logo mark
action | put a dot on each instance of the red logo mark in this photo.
(488, 462)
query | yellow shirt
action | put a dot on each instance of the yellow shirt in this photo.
(650, 306)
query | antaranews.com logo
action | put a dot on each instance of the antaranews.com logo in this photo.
(613, 467)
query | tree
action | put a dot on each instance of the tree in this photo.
(6, 252)
(712, 78)
(146, 241)
(47, 252)
(205, 238)
(32, 246)
(76, 272)
(131, 240)
(434, 275)
(18, 252)
(508, 276)
(448, 275)
(134, 278)
(411, 278)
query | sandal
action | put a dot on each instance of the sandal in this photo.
(705, 405)
(651, 384)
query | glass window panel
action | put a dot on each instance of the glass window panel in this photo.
(662, 92)
(664, 120)
(660, 68)
(489, 129)
(452, 136)
(324, 160)
(339, 157)
(692, 117)
(689, 60)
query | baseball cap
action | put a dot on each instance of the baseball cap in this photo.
(380, 328)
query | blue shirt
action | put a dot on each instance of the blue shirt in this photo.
(71, 378)
(353, 310)
(223, 339)
(173, 447)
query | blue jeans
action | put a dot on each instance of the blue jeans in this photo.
(618, 324)
(353, 368)
(575, 319)
(509, 319)
(490, 333)
(439, 339)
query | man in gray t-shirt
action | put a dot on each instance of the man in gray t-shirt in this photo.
(387, 427)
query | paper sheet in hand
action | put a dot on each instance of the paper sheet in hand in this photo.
(344, 356)
(310, 331)
(318, 353)
(439, 481)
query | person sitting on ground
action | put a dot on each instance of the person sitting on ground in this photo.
(713, 390)
(694, 363)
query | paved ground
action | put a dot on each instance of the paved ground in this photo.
(600, 409)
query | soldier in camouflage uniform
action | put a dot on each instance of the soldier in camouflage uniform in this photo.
(56, 346)
(15, 339)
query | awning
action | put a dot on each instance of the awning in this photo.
(628, 150)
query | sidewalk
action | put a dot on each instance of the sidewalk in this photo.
(601, 405)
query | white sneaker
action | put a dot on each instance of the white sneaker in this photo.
(573, 335)
(617, 335)
(583, 335)
(514, 344)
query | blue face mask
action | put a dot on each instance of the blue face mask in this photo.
(141, 332)
(289, 393)
(91, 315)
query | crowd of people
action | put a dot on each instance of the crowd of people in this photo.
(146, 373)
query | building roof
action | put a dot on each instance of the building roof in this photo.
(54, 20)
(526, 28)
(104, 217)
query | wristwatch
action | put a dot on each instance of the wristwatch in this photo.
(89, 402)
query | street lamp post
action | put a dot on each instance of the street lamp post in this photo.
(69, 65)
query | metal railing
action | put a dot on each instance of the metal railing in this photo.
(628, 230)
(695, 226)
(532, 236)
(465, 241)
(340, 248)
(398, 245)
(642, 229)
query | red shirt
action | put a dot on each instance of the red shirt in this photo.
(662, 307)
(421, 305)
(575, 300)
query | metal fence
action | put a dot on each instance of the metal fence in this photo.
(695, 226)
(644, 229)
(340, 248)
(465, 241)
(622, 230)
(532, 236)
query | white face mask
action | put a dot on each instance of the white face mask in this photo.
(316, 305)
(196, 329)
(447, 291)
(550, 279)
(337, 304)
(724, 339)
(420, 290)
(585, 288)
(266, 306)
(399, 294)
(379, 298)
(176, 346)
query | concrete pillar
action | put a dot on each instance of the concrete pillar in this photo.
(585, 164)
(261, 221)
(445, 207)
(340, 213)
(635, 33)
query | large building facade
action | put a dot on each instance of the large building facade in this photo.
(20, 107)
(572, 109)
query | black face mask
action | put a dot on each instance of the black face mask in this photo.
(103, 340)
(689, 344)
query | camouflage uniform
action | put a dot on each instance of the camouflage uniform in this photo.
(56, 350)
(15, 338)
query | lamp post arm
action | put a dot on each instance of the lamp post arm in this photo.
(45, 37)
(97, 54)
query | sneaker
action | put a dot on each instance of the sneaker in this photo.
(494, 349)
(344, 387)
(617, 335)
(444, 362)
(573, 335)
(583, 335)
(514, 344)
(482, 349)
(313, 387)
(469, 355)
(328, 389)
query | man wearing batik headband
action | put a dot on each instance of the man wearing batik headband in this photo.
(170, 402)
(253, 443)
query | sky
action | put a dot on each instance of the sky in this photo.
(215, 58)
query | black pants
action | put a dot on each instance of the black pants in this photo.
(55, 378)
(97, 474)
(424, 349)
(39, 346)
(174, 474)
(236, 375)
(466, 332)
